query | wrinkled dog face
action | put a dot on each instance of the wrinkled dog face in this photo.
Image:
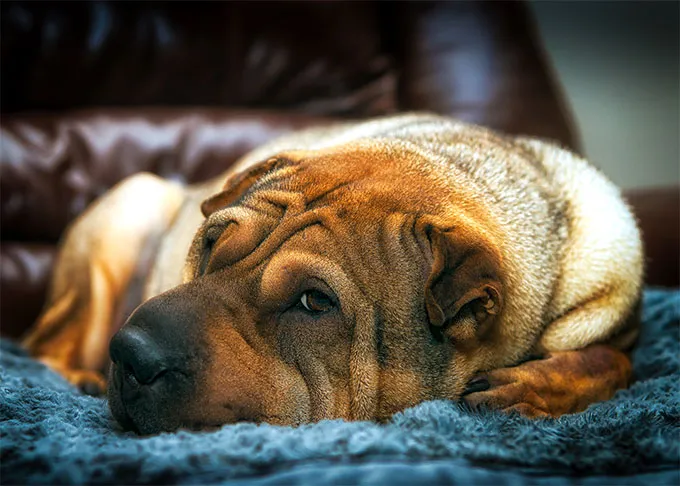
(311, 291)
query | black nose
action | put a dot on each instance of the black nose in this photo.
(158, 356)
(138, 357)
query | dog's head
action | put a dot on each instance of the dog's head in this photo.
(346, 283)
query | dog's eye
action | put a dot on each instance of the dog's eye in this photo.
(316, 302)
(205, 256)
(211, 237)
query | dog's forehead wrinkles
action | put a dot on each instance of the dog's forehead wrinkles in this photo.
(277, 237)
(312, 191)
(278, 178)
(226, 216)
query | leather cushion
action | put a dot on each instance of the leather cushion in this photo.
(26, 270)
(54, 166)
(658, 214)
(483, 63)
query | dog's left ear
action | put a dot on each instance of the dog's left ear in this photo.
(464, 293)
(237, 185)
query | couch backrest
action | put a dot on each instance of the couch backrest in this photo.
(480, 61)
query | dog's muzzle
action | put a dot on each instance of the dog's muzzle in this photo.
(155, 360)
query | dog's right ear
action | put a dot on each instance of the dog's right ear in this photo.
(464, 293)
(238, 185)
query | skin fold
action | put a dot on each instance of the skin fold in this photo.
(350, 272)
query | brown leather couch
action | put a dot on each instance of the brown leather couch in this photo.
(92, 92)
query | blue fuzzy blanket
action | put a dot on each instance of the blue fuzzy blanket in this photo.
(52, 434)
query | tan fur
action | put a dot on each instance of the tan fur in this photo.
(423, 226)
(98, 258)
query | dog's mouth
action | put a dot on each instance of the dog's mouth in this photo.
(116, 403)
(148, 407)
(152, 408)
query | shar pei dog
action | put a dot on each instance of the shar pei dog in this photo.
(349, 272)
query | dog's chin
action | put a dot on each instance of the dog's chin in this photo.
(139, 421)
(151, 411)
(171, 404)
(143, 422)
(150, 424)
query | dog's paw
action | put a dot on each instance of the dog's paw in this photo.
(510, 389)
(562, 382)
(88, 382)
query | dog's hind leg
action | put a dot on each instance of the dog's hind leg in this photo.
(98, 258)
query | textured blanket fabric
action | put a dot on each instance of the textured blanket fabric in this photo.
(52, 434)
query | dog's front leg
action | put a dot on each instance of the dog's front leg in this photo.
(96, 261)
(560, 383)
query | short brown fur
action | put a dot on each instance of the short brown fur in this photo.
(449, 251)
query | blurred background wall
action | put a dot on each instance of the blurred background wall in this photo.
(618, 62)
